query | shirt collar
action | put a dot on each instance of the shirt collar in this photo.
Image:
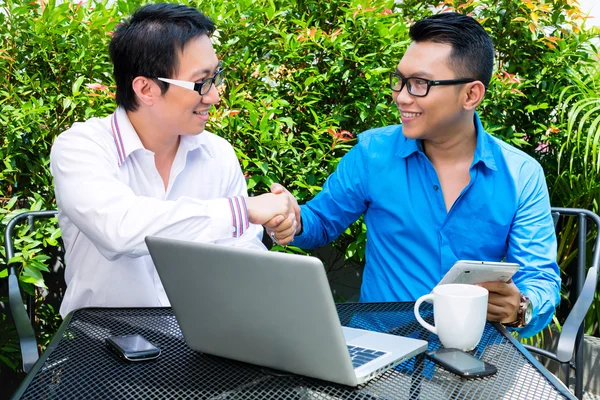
(192, 142)
(127, 140)
(483, 149)
(409, 147)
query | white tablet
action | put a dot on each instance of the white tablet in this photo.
(471, 272)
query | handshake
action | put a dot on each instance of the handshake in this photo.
(278, 211)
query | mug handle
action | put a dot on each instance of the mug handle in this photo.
(425, 325)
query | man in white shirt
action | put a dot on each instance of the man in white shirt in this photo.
(151, 168)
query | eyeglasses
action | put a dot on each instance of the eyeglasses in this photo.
(201, 87)
(419, 87)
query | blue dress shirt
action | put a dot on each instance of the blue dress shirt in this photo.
(412, 241)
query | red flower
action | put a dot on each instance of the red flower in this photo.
(96, 86)
(341, 136)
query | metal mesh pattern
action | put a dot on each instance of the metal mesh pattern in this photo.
(81, 367)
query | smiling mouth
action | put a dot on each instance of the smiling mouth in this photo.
(409, 114)
(201, 112)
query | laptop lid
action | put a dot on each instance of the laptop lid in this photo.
(266, 308)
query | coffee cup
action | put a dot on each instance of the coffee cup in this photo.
(459, 314)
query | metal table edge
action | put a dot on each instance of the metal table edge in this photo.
(543, 370)
(558, 385)
(40, 362)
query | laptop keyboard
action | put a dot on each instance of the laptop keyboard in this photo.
(360, 355)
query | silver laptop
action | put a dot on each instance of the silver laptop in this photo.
(271, 309)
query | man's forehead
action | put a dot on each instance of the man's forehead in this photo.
(426, 58)
(198, 58)
(198, 71)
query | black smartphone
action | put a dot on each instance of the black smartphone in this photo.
(132, 348)
(461, 363)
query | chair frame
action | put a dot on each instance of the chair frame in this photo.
(23, 316)
(571, 337)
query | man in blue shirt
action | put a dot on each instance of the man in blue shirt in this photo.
(439, 188)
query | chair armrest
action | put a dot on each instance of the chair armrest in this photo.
(541, 352)
(568, 335)
(27, 340)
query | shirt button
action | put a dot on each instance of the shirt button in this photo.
(435, 187)
(232, 229)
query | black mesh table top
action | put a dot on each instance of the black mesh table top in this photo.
(77, 365)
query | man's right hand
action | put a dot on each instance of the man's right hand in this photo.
(276, 188)
(283, 231)
(265, 207)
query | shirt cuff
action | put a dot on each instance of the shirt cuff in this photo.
(227, 218)
(239, 215)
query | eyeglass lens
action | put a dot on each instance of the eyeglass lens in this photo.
(217, 80)
(415, 86)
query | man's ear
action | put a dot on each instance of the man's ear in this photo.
(146, 90)
(473, 94)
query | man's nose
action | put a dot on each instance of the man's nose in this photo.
(403, 97)
(212, 97)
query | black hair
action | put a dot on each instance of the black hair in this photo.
(472, 55)
(148, 43)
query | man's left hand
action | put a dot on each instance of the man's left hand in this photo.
(503, 301)
(282, 231)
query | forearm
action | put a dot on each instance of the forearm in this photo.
(118, 227)
(312, 233)
(341, 202)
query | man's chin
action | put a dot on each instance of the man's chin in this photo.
(412, 134)
(197, 130)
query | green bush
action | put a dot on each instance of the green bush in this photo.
(304, 77)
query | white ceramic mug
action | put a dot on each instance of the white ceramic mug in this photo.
(459, 312)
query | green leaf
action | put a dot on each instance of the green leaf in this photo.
(12, 202)
(264, 167)
(253, 181)
(67, 101)
(8, 362)
(33, 273)
(76, 86)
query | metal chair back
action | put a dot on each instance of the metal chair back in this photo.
(22, 315)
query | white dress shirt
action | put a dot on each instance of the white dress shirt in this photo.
(110, 196)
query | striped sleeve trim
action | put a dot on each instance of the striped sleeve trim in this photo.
(245, 208)
(239, 215)
(118, 139)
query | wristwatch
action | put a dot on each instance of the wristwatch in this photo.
(524, 313)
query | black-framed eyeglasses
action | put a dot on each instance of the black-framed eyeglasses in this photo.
(201, 87)
(419, 87)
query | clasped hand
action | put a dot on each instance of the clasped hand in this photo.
(281, 229)
(278, 211)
